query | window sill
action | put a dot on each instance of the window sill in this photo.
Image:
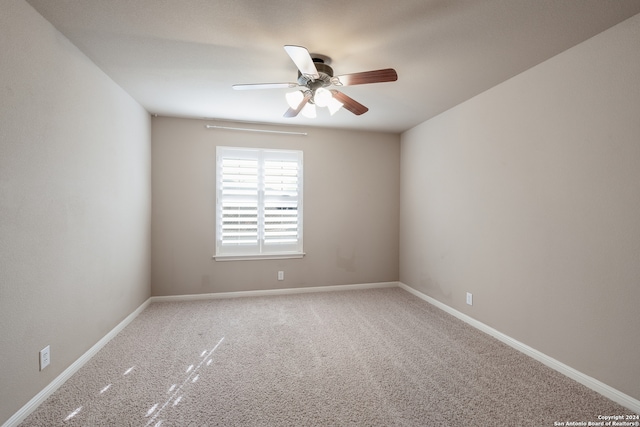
(256, 257)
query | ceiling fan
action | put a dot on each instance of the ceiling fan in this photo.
(314, 77)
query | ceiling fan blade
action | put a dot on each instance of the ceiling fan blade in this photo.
(300, 56)
(292, 112)
(376, 76)
(264, 86)
(349, 103)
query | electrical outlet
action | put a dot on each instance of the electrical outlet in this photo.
(469, 298)
(45, 357)
(280, 275)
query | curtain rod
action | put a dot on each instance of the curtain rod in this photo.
(256, 130)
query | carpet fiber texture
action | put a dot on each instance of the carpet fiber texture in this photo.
(379, 357)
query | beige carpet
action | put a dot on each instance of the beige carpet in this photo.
(377, 357)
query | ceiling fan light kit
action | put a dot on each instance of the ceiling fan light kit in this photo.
(294, 99)
(315, 76)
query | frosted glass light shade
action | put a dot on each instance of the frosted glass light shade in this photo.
(322, 97)
(309, 111)
(334, 105)
(294, 98)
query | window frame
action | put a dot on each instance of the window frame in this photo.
(261, 249)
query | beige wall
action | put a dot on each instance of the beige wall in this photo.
(528, 196)
(74, 204)
(351, 209)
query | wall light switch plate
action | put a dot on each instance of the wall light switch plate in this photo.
(45, 357)
(280, 275)
(469, 298)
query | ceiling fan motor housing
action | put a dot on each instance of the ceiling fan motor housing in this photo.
(325, 72)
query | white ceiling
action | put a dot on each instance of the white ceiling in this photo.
(180, 57)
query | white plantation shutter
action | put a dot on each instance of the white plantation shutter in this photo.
(259, 203)
(281, 202)
(239, 197)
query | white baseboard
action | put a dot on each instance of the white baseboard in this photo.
(598, 386)
(268, 292)
(19, 416)
(594, 384)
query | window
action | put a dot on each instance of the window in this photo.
(258, 203)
